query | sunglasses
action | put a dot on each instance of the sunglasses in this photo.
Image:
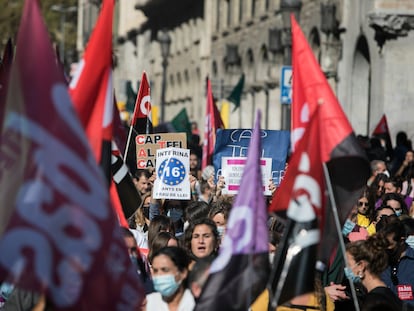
(362, 203)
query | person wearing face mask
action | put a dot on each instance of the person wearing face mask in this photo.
(169, 276)
(219, 214)
(399, 275)
(408, 223)
(396, 202)
(366, 260)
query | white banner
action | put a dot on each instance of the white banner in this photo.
(172, 168)
(232, 171)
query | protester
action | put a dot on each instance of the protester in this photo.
(399, 274)
(202, 239)
(367, 259)
(158, 224)
(198, 276)
(141, 181)
(169, 274)
(161, 239)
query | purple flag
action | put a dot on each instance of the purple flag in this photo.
(240, 272)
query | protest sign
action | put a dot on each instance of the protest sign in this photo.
(232, 171)
(235, 143)
(148, 144)
(172, 167)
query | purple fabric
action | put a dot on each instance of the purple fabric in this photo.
(247, 221)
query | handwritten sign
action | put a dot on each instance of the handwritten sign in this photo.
(148, 144)
(172, 182)
(232, 171)
(235, 143)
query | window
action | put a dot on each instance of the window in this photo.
(218, 15)
(229, 11)
(240, 10)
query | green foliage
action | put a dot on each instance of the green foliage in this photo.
(11, 11)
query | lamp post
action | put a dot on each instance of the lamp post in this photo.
(165, 42)
(288, 7)
(63, 10)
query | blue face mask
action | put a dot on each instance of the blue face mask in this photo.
(166, 285)
(348, 227)
(398, 213)
(351, 276)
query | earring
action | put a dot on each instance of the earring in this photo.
(361, 275)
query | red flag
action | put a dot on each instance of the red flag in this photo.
(91, 87)
(58, 232)
(5, 65)
(212, 123)
(142, 119)
(116, 203)
(141, 122)
(346, 162)
(302, 192)
(382, 127)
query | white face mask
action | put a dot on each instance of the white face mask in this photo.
(221, 230)
(410, 241)
(271, 257)
(186, 225)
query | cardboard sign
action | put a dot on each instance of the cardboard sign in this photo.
(232, 171)
(235, 143)
(172, 169)
(148, 144)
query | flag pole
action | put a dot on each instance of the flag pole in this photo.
(277, 271)
(131, 127)
(338, 229)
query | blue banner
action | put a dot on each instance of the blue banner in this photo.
(235, 143)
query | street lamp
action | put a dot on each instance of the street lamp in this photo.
(288, 7)
(165, 42)
(63, 10)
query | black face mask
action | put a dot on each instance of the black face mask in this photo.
(145, 211)
(395, 253)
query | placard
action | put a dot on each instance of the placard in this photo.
(148, 144)
(232, 171)
(172, 170)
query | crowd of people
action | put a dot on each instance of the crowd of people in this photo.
(172, 243)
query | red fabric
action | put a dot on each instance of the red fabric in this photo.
(57, 224)
(117, 206)
(304, 180)
(91, 88)
(212, 123)
(382, 126)
(142, 110)
(310, 88)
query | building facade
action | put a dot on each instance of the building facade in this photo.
(363, 47)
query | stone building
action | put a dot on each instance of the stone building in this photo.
(365, 48)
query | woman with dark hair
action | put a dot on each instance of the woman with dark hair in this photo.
(367, 259)
(157, 224)
(161, 239)
(169, 275)
(202, 239)
(396, 202)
